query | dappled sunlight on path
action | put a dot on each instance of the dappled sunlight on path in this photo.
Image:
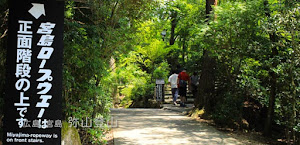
(157, 126)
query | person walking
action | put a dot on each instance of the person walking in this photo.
(173, 82)
(194, 83)
(182, 82)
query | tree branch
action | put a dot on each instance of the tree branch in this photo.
(4, 34)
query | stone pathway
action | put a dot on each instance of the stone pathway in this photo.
(164, 127)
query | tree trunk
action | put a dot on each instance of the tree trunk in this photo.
(183, 50)
(270, 113)
(208, 7)
(115, 95)
(95, 100)
(273, 82)
(173, 26)
(207, 79)
(294, 86)
(207, 83)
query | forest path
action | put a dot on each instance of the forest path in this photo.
(164, 127)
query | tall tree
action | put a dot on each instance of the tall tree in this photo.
(173, 26)
(207, 79)
(273, 81)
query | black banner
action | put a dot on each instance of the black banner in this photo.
(32, 109)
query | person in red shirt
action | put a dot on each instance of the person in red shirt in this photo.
(182, 82)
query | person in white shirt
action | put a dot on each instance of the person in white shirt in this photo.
(173, 82)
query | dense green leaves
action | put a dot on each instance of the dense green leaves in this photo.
(96, 32)
(253, 41)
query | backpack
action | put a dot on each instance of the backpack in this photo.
(182, 83)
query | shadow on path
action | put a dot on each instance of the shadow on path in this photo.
(163, 127)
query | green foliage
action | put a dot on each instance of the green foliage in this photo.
(134, 85)
(85, 86)
(143, 92)
(237, 35)
(227, 111)
(95, 33)
(138, 69)
(238, 38)
(96, 136)
(161, 71)
(81, 72)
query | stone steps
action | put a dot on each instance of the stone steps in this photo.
(168, 95)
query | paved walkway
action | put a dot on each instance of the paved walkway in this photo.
(164, 127)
